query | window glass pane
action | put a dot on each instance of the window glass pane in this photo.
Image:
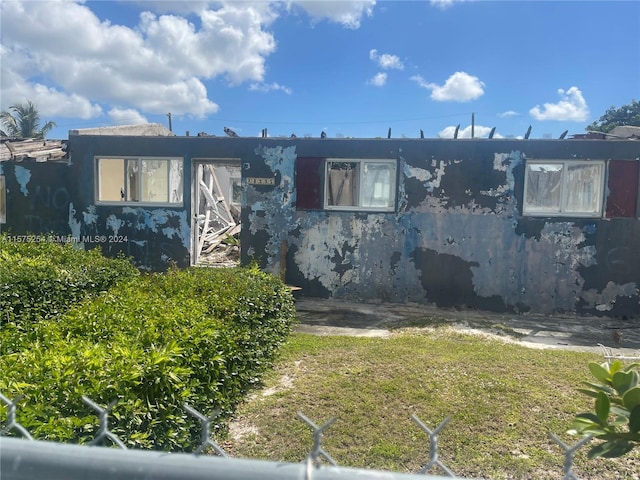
(175, 181)
(378, 185)
(110, 179)
(342, 183)
(155, 177)
(133, 181)
(583, 185)
(543, 187)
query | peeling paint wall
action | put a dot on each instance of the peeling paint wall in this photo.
(155, 237)
(457, 239)
(38, 198)
(457, 236)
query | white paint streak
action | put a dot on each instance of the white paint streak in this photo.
(89, 216)
(439, 174)
(22, 177)
(605, 301)
(322, 242)
(74, 225)
(157, 220)
(500, 161)
(428, 179)
(415, 172)
(498, 192)
(114, 223)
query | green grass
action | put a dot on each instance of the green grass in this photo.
(503, 400)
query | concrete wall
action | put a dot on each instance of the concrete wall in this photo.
(456, 238)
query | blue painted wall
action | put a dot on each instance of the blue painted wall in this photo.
(457, 237)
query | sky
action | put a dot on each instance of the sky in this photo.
(348, 68)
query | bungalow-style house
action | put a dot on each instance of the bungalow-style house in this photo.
(505, 225)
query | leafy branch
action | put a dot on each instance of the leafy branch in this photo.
(616, 416)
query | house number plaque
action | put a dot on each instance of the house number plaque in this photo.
(261, 180)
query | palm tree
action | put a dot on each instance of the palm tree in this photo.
(23, 121)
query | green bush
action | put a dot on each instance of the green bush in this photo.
(197, 336)
(616, 416)
(43, 280)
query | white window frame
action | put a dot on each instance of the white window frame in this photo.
(175, 187)
(361, 170)
(565, 189)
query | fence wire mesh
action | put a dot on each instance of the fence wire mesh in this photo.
(32, 459)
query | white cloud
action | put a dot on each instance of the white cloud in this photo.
(378, 80)
(349, 14)
(62, 49)
(269, 87)
(420, 81)
(386, 61)
(572, 106)
(459, 87)
(50, 101)
(126, 116)
(444, 4)
(508, 114)
(479, 131)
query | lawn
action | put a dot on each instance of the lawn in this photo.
(503, 399)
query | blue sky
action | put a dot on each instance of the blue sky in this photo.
(352, 69)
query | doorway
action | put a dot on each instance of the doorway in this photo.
(216, 201)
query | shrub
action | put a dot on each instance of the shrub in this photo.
(198, 336)
(616, 395)
(43, 280)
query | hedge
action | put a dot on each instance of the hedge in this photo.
(197, 336)
(43, 280)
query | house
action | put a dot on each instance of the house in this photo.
(505, 225)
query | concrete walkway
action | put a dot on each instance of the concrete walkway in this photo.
(570, 332)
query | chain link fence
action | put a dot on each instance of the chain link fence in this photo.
(28, 459)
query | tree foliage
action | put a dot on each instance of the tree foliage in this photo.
(615, 117)
(23, 121)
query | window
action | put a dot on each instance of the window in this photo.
(139, 180)
(360, 184)
(564, 188)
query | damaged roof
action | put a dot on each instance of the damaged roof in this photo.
(143, 129)
(32, 150)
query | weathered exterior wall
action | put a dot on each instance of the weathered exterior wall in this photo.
(156, 237)
(38, 198)
(456, 238)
